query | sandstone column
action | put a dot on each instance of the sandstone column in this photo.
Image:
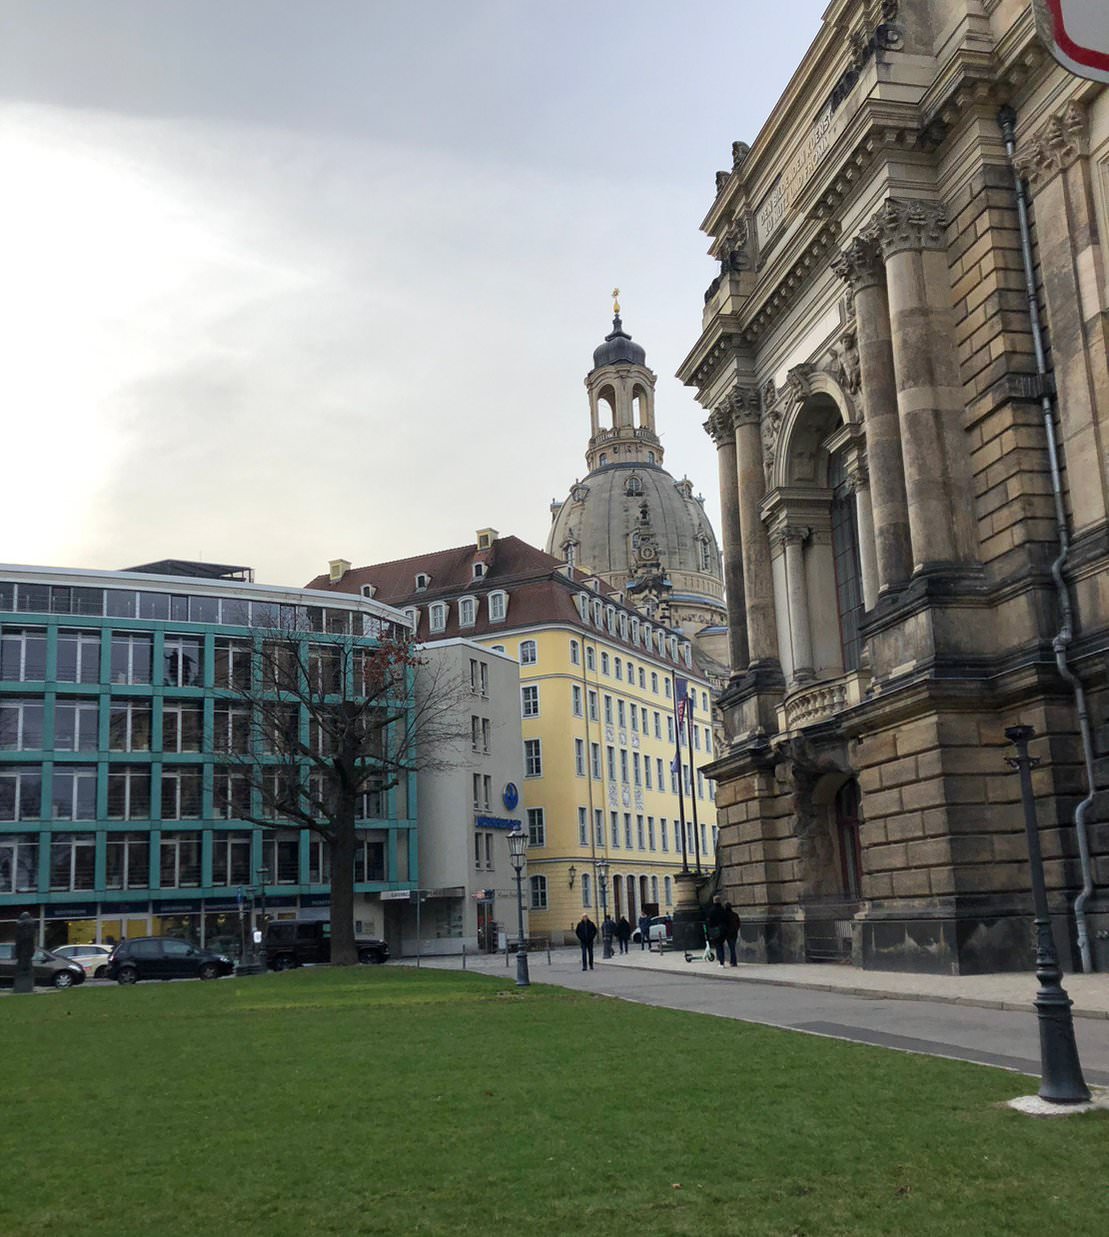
(929, 393)
(758, 583)
(793, 538)
(858, 476)
(722, 431)
(860, 264)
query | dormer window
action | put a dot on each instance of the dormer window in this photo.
(479, 570)
(368, 590)
(633, 487)
(623, 626)
(437, 616)
(570, 553)
(498, 606)
(610, 617)
(467, 611)
(650, 457)
(583, 607)
(603, 460)
(422, 581)
(635, 631)
(598, 613)
(413, 617)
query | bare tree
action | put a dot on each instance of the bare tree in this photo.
(319, 730)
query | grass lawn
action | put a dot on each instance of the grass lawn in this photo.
(385, 1100)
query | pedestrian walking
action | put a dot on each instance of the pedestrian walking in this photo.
(644, 931)
(623, 933)
(731, 931)
(608, 931)
(716, 927)
(586, 932)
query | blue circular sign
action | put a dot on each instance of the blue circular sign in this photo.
(511, 796)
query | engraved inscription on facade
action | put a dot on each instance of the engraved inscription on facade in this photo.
(779, 200)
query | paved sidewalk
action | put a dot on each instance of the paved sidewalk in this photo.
(1090, 993)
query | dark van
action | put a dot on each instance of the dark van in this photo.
(299, 942)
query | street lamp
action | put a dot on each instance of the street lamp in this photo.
(517, 848)
(602, 877)
(1061, 1080)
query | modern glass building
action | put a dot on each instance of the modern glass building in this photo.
(125, 809)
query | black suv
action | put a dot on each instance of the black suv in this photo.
(165, 957)
(294, 942)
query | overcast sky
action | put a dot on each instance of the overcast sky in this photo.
(282, 281)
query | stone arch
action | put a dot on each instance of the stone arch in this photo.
(605, 394)
(813, 392)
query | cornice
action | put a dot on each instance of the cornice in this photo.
(1055, 146)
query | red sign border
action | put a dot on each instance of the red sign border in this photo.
(1079, 56)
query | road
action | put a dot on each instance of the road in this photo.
(1005, 1038)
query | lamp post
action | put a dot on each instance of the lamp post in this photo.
(602, 878)
(1061, 1080)
(517, 848)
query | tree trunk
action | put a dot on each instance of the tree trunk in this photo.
(343, 949)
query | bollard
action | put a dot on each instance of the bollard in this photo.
(463, 955)
(548, 951)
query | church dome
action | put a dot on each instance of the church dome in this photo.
(618, 348)
(623, 517)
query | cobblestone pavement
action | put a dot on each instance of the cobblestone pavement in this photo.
(989, 1019)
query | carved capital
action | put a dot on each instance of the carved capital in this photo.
(743, 405)
(860, 265)
(911, 223)
(794, 534)
(720, 427)
(858, 474)
(1057, 144)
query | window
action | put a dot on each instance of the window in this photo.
(628, 830)
(537, 828)
(624, 630)
(700, 785)
(592, 705)
(181, 661)
(575, 653)
(19, 862)
(704, 840)
(479, 570)
(637, 776)
(78, 657)
(651, 832)
(481, 792)
(182, 726)
(528, 653)
(610, 618)
(128, 861)
(422, 581)
(583, 827)
(608, 710)
(467, 611)
(20, 792)
(595, 760)
(575, 700)
(604, 663)
(479, 677)
(647, 772)
(128, 793)
(640, 836)
(598, 826)
(230, 795)
(664, 833)
(621, 715)
(538, 886)
(179, 861)
(533, 758)
(669, 728)
(369, 857)
(479, 734)
(23, 656)
(74, 793)
(180, 792)
(668, 889)
(412, 614)
(658, 724)
(437, 616)
(231, 665)
(579, 757)
(21, 726)
(498, 606)
(610, 754)
(666, 681)
(635, 719)
(281, 857)
(708, 739)
(530, 698)
(586, 890)
(624, 765)
(642, 679)
(72, 861)
(325, 669)
(654, 889)
(231, 729)
(619, 668)
(590, 658)
(659, 782)
(654, 682)
(75, 726)
(319, 861)
(231, 859)
(614, 821)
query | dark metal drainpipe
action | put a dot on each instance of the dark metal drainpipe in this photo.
(1007, 122)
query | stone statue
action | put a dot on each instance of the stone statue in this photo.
(24, 954)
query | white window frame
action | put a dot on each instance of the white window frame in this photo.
(537, 827)
(529, 653)
(537, 893)
(467, 604)
(533, 758)
(437, 614)
(498, 606)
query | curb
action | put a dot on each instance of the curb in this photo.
(876, 994)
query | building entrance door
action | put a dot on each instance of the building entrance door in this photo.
(486, 928)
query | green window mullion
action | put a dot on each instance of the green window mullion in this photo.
(156, 791)
(207, 785)
(306, 837)
(44, 861)
(158, 659)
(49, 698)
(102, 770)
(52, 653)
(206, 859)
(46, 807)
(255, 853)
(106, 656)
(100, 863)
(209, 676)
(413, 857)
(391, 857)
(157, 713)
(155, 859)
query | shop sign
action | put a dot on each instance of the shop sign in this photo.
(496, 822)
(395, 895)
(220, 904)
(75, 910)
(1077, 35)
(316, 899)
(177, 908)
(125, 908)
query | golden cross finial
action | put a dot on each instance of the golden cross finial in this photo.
(615, 301)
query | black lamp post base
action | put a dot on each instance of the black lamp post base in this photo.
(523, 979)
(1061, 1081)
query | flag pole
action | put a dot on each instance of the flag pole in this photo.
(677, 765)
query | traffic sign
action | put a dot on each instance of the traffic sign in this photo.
(1077, 35)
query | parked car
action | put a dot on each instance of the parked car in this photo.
(46, 968)
(165, 957)
(294, 942)
(94, 958)
(661, 929)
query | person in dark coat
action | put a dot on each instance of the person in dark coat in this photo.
(716, 927)
(586, 932)
(608, 931)
(731, 931)
(623, 933)
(644, 931)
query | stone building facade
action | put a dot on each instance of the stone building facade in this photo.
(885, 444)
